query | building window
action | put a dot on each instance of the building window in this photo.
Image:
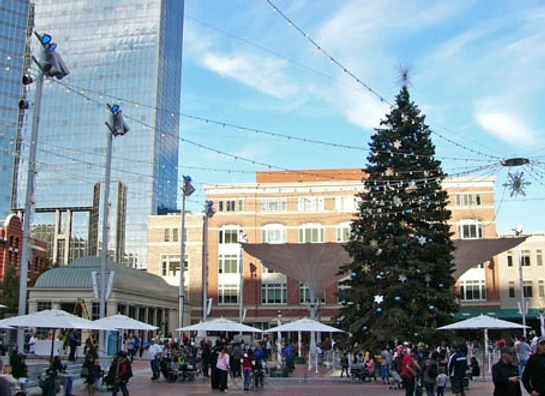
(313, 233)
(228, 264)
(310, 204)
(472, 290)
(541, 288)
(525, 258)
(468, 199)
(174, 235)
(228, 294)
(274, 205)
(304, 295)
(274, 293)
(470, 229)
(539, 257)
(511, 289)
(528, 289)
(170, 265)
(43, 305)
(167, 235)
(346, 203)
(274, 233)
(265, 270)
(343, 232)
(510, 258)
(229, 235)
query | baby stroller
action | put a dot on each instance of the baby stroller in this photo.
(397, 381)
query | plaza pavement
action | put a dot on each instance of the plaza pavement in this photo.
(326, 383)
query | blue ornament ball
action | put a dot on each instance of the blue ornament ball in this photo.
(354, 274)
(418, 271)
(390, 224)
(381, 273)
(404, 245)
(441, 286)
(379, 310)
(365, 329)
(397, 298)
(416, 334)
(431, 307)
(343, 302)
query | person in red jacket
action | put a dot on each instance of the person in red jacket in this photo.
(408, 371)
(122, 375)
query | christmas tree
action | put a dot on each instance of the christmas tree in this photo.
(400, 284)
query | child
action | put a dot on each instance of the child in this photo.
(441, 384)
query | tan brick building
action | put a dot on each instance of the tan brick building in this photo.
(298, 207)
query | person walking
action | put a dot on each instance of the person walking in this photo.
(506, 375)
(524, 351)
(533, 377)
(408, 371)
(223, 367)
(457, 366)
(154, 353)
(122, 374)
(247, 365)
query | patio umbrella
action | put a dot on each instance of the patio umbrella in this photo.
(123, 322)
(221, 324)
(482, 322)
(54, 319)
(2, 306)
(305, 324)
(3, 324)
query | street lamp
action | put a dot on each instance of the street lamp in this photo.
(208, 213)
(187, 190)
(51, 65)
(279, 340)
(242, 238)
(518, 231)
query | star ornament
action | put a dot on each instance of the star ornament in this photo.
(397, 202)
(379, 299)
(402, 278)
(422, 240)
(389, 172)
(366, 268)
(397, 144)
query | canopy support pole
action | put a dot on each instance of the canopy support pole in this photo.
(313, 353)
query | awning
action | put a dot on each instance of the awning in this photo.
(496, 313)
(470, 252)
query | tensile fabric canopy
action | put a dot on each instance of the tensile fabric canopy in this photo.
(122, 322)
(305, 325)
(482, 322)
(55, 319)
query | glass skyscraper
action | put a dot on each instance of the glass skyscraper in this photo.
(13, 32)
(127, 52)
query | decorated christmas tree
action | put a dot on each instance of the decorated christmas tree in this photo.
(400, 284)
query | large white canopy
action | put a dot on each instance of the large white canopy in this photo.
(122, 322)
(54, 319)
(305, 324)
(482, 322)
(220, 324)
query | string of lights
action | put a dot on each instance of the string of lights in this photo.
(359, 81)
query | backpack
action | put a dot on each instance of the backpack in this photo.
(129, 370)
(432, 370)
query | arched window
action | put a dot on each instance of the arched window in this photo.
(274, 233)
(311, 233)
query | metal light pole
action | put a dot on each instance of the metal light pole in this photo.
(208, 213)
(279, 340)
(187, 190)
(51, 66)
(116, 128)
(242, 238)
(518, 231)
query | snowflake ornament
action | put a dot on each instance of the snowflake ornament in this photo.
(379, 299)
(397, 144)
(402, 278)
(397, 202)
(422, 240)
(516, 183)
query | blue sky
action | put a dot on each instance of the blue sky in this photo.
(477, 73)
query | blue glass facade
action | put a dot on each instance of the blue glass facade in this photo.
(13, 30)
(128, 49)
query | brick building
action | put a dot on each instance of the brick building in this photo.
(11, 241)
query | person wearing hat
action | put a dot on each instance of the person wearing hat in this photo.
(457, 366)
(506, 375)
(533, 377)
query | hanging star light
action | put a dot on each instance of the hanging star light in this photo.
(422, 240)
(397, 144)
(516, 183)
(379, 299)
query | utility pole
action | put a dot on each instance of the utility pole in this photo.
(52, 66)
(208, 213)
(187, 190)
(116, 127)
(242, 238)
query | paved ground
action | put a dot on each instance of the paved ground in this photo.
(326, 383)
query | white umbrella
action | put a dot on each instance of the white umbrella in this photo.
(122, 322)
(54, 319)
(483, 322)
(3, 324)
(305, 324)
(221, 324)
(3, 306)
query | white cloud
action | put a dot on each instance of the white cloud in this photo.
(364, 110)
(506, 126)
(265, 74)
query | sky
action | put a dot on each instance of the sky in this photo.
(476, 71)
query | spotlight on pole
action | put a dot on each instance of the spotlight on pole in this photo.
(24, 104)
(188, 188)
(52, 65)
(117, 124)
(27, 79)
(209, 210)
